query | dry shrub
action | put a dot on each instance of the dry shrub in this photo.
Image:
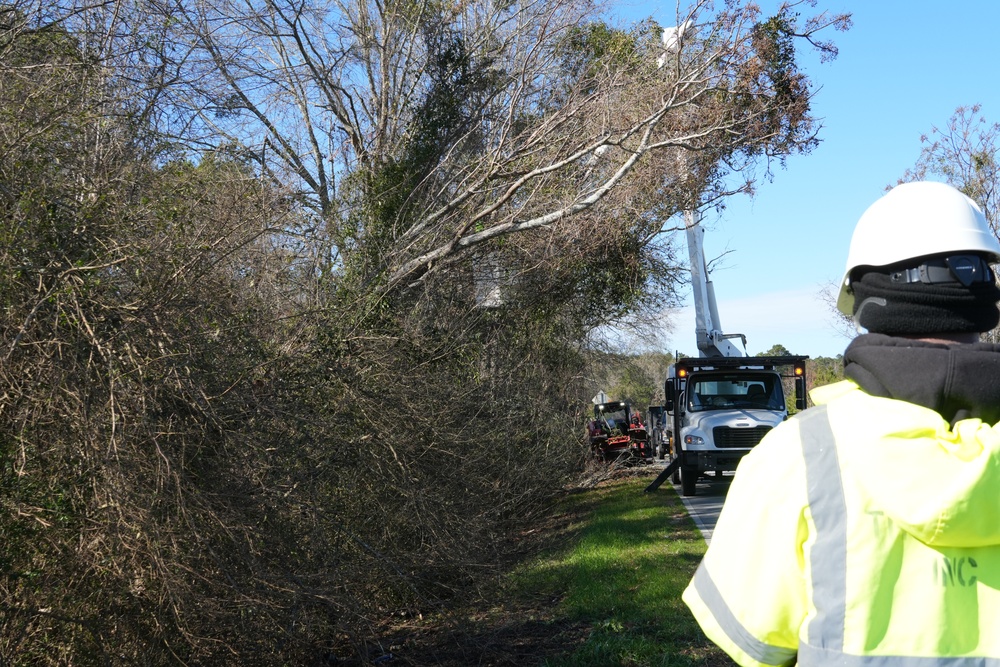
(198, 470)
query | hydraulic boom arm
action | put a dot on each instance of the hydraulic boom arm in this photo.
(711, 341)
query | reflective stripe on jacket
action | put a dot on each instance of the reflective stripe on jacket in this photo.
(863, 532)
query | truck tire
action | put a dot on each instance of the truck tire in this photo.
(689, 479)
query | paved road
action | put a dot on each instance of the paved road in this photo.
(705, 505)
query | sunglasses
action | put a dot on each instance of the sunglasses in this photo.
(966, 269)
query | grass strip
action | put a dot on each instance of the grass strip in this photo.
(621, 574)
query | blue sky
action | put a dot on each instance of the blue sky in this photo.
(904, 67)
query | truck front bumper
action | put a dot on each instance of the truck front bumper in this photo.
(725, 460)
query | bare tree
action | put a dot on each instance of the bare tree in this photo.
(964, 154)
(512, 132)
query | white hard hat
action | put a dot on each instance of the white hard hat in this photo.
(916, 220)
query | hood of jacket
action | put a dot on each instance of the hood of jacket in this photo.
(916, 425)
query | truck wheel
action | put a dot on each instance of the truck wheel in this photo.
(689, 479)
(676, 477)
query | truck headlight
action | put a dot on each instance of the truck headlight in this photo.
(693, 440)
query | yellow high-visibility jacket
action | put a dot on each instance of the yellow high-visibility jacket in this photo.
(862, 532)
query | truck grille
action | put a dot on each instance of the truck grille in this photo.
(726, 436)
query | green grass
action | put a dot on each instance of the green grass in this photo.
(620, 573)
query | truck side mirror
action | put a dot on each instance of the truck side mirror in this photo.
(800, 393)
(668, 393)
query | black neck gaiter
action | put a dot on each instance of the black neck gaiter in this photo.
(957, 381)
(919, 309)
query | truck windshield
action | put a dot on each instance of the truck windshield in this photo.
(725, 392)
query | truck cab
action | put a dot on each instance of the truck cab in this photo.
(718, 409)
(656, 429)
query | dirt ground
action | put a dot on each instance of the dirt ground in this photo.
(514, 637)
(504, 630)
